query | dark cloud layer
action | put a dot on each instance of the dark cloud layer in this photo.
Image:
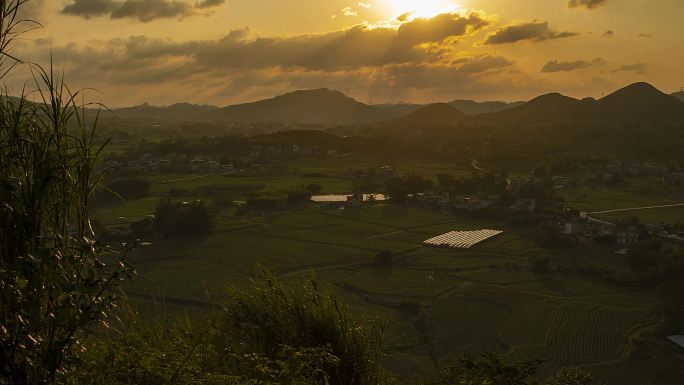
(418, 55)
(359, 46)
(532, 31)
(589, 4)
(568, 66)
(637, 68)
(143, 10)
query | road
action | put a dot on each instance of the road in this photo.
(636, 209)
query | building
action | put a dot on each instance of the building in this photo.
(627, 235)
(677, 340)
(560, 182)
(349, 200)
(586, 229)
(388, 171)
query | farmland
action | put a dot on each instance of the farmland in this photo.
(437, 302)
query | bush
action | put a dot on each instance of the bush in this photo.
(309, 317)
(314, 189)
(384, 259)
(298, 196)
(188, 352)
(549, 235)
(487, 369)
(645, 255)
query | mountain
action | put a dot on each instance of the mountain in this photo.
(322, 106)
(468, 107)
(432, 115)
(395, 111)
(679, 95)
(540, 110)
(471, 108)
(180, 112)
(638, 102)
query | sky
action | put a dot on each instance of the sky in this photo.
(221, 52)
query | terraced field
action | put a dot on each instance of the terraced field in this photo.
(438, 302)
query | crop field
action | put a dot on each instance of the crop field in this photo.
(483, 299)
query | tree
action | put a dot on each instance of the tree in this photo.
(384, 259)
(54, 284)
(177, 220)
(645, 255)
(314, 189)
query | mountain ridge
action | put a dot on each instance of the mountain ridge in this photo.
(637, 102)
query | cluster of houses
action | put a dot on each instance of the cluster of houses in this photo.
(585, 229)
(260, 152)
(182, 163)
(670, 175)
(337, 201)
(177, 163)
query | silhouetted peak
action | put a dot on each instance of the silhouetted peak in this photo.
(438, 113)
(636, 90)
(320, 92)
(552, 99)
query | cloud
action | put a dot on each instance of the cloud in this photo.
(365, 5)
(244, 66)
(419, 41)
(588, 4)
(210, 3)
(608, 34)
(638, 68)
(143, 10)
(568, 66)
(348, 11)
(481, 63)
(533, 31)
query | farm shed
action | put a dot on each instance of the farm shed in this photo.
(462, 239)
(677, 340)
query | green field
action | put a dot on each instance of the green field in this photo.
(636, 194)
(483, 299)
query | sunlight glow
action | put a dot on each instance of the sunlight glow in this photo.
(420, 8)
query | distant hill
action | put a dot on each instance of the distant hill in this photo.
(180, 112)
(540, 110)
(434, 114)
(322, 106)
(636, 102)
(471, 108)
(468, 107)
(639, 102)
(395, 111)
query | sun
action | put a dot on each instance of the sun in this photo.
(420, 8)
